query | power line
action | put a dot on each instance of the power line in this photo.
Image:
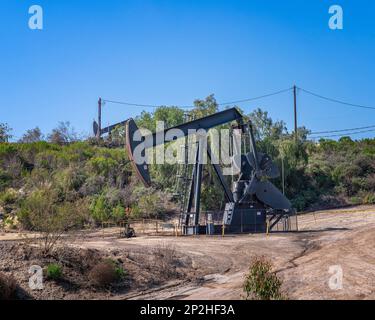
(336, 100)
(343, 135)
(342, 130)
(135, 104)
(190, 107)
(256, 98)
(347, 131)
(247, 100)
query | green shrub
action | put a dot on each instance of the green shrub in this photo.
(7, 149)
(71, 178)
(5, 179)
(136, 212)
(261, 283)
(99, 209)
(93, 185)
(11, 223)
(43, 212)
(118, 212)
(54, 271)
(149, 202)
(80, 151)
(109, 205)
(103, 166)
(356, 200)
(369, 198)
(119, 270)
(8, 197)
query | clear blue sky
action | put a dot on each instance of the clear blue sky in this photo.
(172, 52)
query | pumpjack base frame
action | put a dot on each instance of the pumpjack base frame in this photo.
(249, 220)
(236, 219)
(218, 230)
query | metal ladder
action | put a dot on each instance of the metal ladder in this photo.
(182, 187)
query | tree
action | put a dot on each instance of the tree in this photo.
(117, 136)
(5, 132)
(171, 116)
(265, 127)
(146, 121)
(303, 133)
(32, 135)
(63, 134)
(206, 107)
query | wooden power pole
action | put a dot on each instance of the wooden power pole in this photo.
(99, 117)
(295, 113)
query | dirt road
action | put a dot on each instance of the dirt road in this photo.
(337, 238)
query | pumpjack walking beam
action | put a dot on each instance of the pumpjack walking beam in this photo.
(176, 132)
(98, 131)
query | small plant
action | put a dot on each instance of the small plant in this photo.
(106, 273)
(8, 197)
(8, 287)
(120, 272)
(261, 283)
(369, 198)
(10, 223)
(54, 271)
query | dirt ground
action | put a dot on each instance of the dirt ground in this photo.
(214, 267)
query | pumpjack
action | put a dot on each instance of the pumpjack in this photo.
(253, 203)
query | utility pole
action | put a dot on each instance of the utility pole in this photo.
(295, 112)
(99, 118)
(283, 174)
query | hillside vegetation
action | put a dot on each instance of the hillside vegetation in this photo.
(46, 181)
(91, 182)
